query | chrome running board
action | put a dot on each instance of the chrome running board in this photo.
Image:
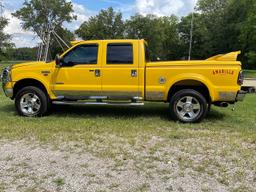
(96, 103)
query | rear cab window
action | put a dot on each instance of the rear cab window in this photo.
(119, 53)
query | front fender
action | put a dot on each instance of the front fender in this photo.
(44, 80)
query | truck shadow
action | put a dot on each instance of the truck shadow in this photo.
(159, 110)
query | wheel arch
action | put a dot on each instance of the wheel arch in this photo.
(194, 84)
(28, 82)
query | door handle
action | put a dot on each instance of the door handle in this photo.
(97, 73)
(134, 73)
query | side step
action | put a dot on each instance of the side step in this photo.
(96, 103)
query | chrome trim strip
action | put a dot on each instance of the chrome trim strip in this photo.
(96, 103)
(93, 94)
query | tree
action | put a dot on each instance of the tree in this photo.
(230, 26)
(22, 54)
(201, 48)
(108, 24)
(148, 28)
(213, 18)
(4, 38)
(39, 15)
(66, 35)
(245, 25)
(160, 32)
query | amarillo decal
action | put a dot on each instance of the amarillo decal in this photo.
(223, 72)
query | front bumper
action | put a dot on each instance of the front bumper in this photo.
(7, 82)
(7, 91)
(241, 95)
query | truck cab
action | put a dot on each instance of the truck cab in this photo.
(119, 72)
(102, 69)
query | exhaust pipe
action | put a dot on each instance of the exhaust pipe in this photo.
(221, 104)
(224, 104)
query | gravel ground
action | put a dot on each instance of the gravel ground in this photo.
(250, 83)
(146, 165)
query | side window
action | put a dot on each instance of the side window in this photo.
(83, 54)
(120, 54)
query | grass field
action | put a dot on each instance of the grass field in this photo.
(215, 155)
(250, 73)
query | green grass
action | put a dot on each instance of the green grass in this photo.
(250, 73)
(70, 123)
(90, 124)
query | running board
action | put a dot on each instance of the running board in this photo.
(96, 103)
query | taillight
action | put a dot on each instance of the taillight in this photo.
(240, 80)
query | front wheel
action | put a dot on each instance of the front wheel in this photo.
(31, 102)
(188, 106)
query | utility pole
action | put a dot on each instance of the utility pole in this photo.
(191, 36)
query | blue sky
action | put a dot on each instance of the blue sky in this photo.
(86, 8)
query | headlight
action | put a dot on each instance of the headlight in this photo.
(6, 75)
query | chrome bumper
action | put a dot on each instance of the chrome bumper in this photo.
(6, 79)
(241, 95)
(7, 92)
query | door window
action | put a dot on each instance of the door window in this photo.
(120, 54)
(81, 55)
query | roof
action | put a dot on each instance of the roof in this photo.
(108, 40)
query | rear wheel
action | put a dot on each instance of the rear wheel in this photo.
(188, 106)
(31, 102)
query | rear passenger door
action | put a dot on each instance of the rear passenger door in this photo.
(120, 70)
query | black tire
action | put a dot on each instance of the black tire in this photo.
(191, 115)
(43, 100)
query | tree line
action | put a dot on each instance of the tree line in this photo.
(220, 26)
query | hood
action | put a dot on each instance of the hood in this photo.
(34, 63)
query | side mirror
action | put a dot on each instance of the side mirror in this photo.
(58, 61)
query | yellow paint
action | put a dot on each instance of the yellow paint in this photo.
(117, 78)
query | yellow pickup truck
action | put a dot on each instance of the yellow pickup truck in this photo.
(119, 72)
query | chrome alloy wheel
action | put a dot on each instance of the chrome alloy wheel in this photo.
(30, 104)
(188, 108)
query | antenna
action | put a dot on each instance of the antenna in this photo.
(46, 36)
(191, 36)
(44, 46)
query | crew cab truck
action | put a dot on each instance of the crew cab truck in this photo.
(119, 72)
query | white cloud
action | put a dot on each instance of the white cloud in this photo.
(23, 38)
(164, 7)
(20, 37)
(82, 14)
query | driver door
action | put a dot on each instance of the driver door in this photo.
(79, 76)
